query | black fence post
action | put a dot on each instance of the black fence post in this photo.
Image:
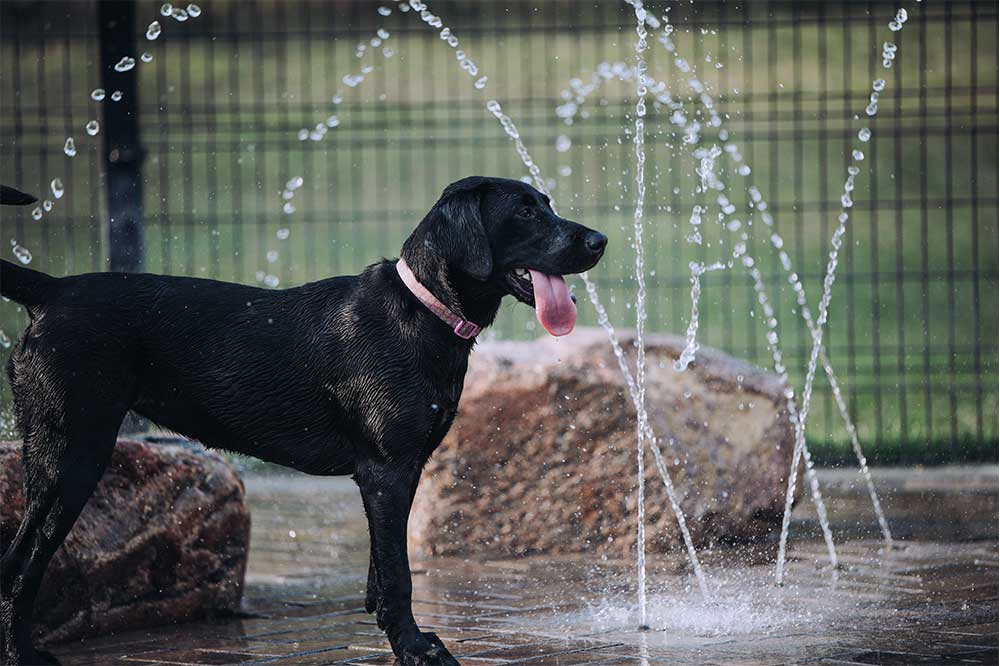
(120, 129)
(123, 152)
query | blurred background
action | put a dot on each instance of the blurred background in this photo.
(227, 111)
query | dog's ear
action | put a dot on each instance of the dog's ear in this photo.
(459, 234)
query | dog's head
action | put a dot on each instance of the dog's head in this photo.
(504, 234)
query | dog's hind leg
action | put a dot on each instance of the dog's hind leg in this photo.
(69, 434)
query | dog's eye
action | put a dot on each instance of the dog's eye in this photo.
(526, 213)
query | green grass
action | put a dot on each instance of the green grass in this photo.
(916, 290)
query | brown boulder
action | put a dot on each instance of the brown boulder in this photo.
(163, 539)
(542, 455)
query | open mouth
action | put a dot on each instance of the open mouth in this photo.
(554, 306)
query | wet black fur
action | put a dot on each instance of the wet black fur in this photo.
(348, 375)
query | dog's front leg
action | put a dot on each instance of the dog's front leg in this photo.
(372, 592)
(387, 493)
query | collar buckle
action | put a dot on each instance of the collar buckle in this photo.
(466, 329)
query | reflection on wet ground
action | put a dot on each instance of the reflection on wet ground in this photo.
(931, 599)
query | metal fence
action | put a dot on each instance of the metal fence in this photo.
(231, 101)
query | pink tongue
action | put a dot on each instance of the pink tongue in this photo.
(554, 307)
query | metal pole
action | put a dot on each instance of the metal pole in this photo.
(123, 153)
(120, 130)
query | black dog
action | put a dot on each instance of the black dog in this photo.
(356, 375)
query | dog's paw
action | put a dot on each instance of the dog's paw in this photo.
(431, 652)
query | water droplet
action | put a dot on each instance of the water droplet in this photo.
(70, 147)
(387, 52)
(97, 94)
(858, 155)
(146, 56)
(744, 170)
(271, 280)
(303, 134)
(21, 252)
(116, 96)
(125, 64)
(878, 85)
(403, 7)
(283, 233)
(294, 183)
(288, 208)
(337, 99)
(854, 171)
(565, 171)
(194, 11)
(47, 205)
(382, 33)
(332, 121)
(179, 15)
(36, 214)
(4, 340)
(481, 82)
(272, 256)
(864, 134)
(563, 143)
(166, 8)
(154, 30)
(384, 11)
(93, 127)
(57, 188)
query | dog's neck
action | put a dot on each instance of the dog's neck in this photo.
(467, 297)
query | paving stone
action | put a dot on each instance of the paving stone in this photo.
(921, 602)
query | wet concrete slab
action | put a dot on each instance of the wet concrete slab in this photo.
(931, 598)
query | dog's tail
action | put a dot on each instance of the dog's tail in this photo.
(11, 197)
(24, 285)
(19, 284)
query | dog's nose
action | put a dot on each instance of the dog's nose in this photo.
(596, 242)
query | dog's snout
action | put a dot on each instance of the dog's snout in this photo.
(596, 242)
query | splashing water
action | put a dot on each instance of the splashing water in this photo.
(125, 64)
(20, 252)
(507, 124)
(836, 243)
(640, 302)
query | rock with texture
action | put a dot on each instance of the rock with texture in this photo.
(542, 455)
(163, 539)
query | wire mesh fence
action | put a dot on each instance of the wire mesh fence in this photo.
(371, 108)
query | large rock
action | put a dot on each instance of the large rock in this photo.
(542, 455)
(163, 539)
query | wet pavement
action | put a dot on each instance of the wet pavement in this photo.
(932, 598)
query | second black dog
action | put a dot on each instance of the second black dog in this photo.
(356, 375)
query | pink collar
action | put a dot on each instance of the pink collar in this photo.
(463, 328)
